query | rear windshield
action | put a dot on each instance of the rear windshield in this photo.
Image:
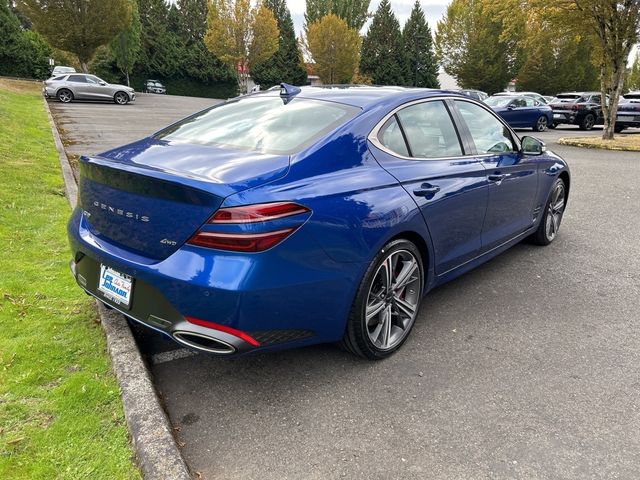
(263, 124)
(568, 96)
(499, 101)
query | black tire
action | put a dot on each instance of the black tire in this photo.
(619, 128)
(553, 125)
(64, 95)
(121, 98)
(542, 235)
(357, 336)
(588, 122)
(541, 125)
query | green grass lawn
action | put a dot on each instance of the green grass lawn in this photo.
(60, 409)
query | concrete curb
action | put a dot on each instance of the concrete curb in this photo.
(156, 450)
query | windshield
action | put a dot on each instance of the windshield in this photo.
(500, 101)
(263, 124)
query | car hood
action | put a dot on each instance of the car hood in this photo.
(117, 85)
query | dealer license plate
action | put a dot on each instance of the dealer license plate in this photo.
(115, 286)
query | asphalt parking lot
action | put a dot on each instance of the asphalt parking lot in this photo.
(526, 367)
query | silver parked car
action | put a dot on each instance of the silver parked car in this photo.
(82, 86)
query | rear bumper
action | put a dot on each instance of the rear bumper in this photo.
(280, 299)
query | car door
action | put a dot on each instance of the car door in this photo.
(78, 85)
(512, 176)
(420, 146)
(95, 90)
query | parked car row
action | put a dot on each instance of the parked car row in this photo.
(584, 109)
(67, 85)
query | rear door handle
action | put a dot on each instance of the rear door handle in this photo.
(497, 177)
(426, 190)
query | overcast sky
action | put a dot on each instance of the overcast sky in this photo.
(433, 10)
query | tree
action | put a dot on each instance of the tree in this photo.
(23, 53)
(383, 57)
(354, 12)
(126, 45)
(478, 43)
(286, 64)
(193, 19)
(418, 47)
(334, 48)
(616, 24)
(632, 82)
(78, 26)
(241, 35)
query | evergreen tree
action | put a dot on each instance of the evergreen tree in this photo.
(22, 53)
(286, 64)
(418, 48)
(193, 20)
(382, 57)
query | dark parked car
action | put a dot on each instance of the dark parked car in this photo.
(628, 112)
(82, 86)
(475, 94)
(309, 215)
(578, 108)
(536, 96)
(154, 86)
(521, 111)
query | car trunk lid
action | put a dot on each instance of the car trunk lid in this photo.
(150, 197)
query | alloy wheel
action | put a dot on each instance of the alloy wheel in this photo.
(541, 124)
(555, 211)
(65, 96)
(121, 98)
(394, 296)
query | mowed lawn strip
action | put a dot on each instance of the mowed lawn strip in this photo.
(60, 409)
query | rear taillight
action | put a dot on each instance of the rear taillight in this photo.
(258, 216)
(240, 242)
(257, 213)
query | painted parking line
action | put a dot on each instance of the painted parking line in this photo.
(171, 355)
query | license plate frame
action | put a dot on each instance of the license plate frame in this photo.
(115, 286)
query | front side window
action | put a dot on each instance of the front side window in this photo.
(530, 102)
(489, 134)
(430, 131)
(263, 124)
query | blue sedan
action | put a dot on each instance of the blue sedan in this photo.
(521, 111)
(308, 215)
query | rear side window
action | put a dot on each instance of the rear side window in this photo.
(77, 78)
(429, 130)
(489, 134)
(391, 137)
(263, 124)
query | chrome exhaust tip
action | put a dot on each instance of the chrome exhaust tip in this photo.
(203, 343)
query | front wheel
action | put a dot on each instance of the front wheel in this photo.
(386, 305)
(541, 124)
(619, 128)
(552, 217)
(121, 98)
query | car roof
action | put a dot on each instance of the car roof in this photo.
(363, 96)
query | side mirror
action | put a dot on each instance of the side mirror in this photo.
(103, 83)
(533, 146)
(511, 106)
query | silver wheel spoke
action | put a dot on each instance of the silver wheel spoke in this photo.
(386, 329)
(405, 308)
(406, 274)
(374, 310)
